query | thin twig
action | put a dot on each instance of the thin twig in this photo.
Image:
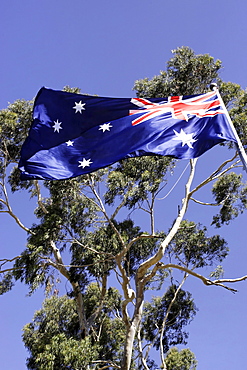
(205, 280)
(216, 174)
(210, 204)
(165, 319)
(5, 260)
(10, 269)
(112, 364)
(92, 249)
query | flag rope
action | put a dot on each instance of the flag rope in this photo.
(169, 192)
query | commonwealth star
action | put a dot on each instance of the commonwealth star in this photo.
(105, 127)
(85, 163)
(70, 143)
(79, 107)
(187, 139)
(57, 126)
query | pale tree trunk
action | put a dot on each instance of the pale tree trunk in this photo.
(132, 329)
(84, 330)
(143, 276)
(76, 289)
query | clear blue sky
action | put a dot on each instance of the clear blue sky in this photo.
(103, 47)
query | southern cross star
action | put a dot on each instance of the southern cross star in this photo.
(79, 107)
(185, 138)
(105, 127)
(85, 163)
(70, 143)
(57, 126)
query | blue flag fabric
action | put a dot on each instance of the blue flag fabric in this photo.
(74, 134)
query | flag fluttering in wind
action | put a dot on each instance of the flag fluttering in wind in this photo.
(74, 134)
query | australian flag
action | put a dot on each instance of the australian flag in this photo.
(74, 134)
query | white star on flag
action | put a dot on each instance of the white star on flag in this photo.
(57, 126)
(105, 127)
(70, 143)
(85, 163)
(185, 138)
(79, 107)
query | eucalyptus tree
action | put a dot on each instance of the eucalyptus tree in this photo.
(89, 230)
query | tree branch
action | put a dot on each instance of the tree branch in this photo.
(2, 201)
(40, 203)
(165, 319)
(10, 269)
(206, 281)
(9, 209)
(127, 292)
(210, 204)
(94, 315)
(111, 364)
(143, 359)
(216, 174)
(102, 209)
(157, 257)
(123, 202)
(79, 299)
(92, 249)
(230, 280)
(6, 260)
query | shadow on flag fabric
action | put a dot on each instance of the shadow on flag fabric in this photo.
(74, 134)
